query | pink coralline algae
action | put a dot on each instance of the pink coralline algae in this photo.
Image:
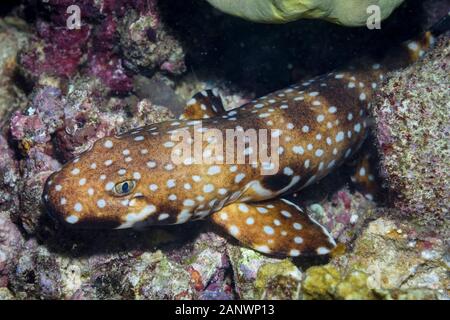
(103, 62)
(21, 122)
(107, 28)
(344, 214)
(43, 116)
(55, 50)
(412, 116)
(110, 70)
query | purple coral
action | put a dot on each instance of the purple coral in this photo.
(107, 28)
(55, 50)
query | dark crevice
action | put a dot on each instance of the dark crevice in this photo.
(263, 57)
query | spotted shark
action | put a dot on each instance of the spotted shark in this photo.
(132, 180)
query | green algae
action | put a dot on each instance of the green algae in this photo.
(344, 12)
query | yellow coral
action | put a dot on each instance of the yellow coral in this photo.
(326, 282)
(354, 287)
(344, 12)
(279, 280)
(320, 282)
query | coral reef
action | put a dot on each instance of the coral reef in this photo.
(388, 261)
(61, 90)
(344, 214)
(345, 12)
(131, 27)
(413, 135)
(66, 125)
(13, 37)
(281, 280)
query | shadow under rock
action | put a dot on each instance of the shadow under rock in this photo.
(266, 57)
(88, 242)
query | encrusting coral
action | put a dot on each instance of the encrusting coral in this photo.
(412, 116)
(388, 261)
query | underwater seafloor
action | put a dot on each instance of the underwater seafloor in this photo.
(136, 62)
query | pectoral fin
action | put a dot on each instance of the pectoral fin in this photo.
(365, 179)
(276, 227)
(203, 105)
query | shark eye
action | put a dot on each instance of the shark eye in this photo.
(124, 188)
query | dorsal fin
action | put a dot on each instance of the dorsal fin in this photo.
(276, 227)
(203, 105)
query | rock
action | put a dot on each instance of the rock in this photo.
(246, 263)
(37, 274)
(83, 85)
(160, 90)
(389, 260)
(412, 119)
(11, 243)
(114, 265)
(260, 277)
(116, 40)
(167, 280)
(327, 283)
(141, 35)
(14, 35)
(278, 281)
(9, 176)
(54, 50)
(344, 214)
(6, 294)
(44, 115)
(32, 214)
